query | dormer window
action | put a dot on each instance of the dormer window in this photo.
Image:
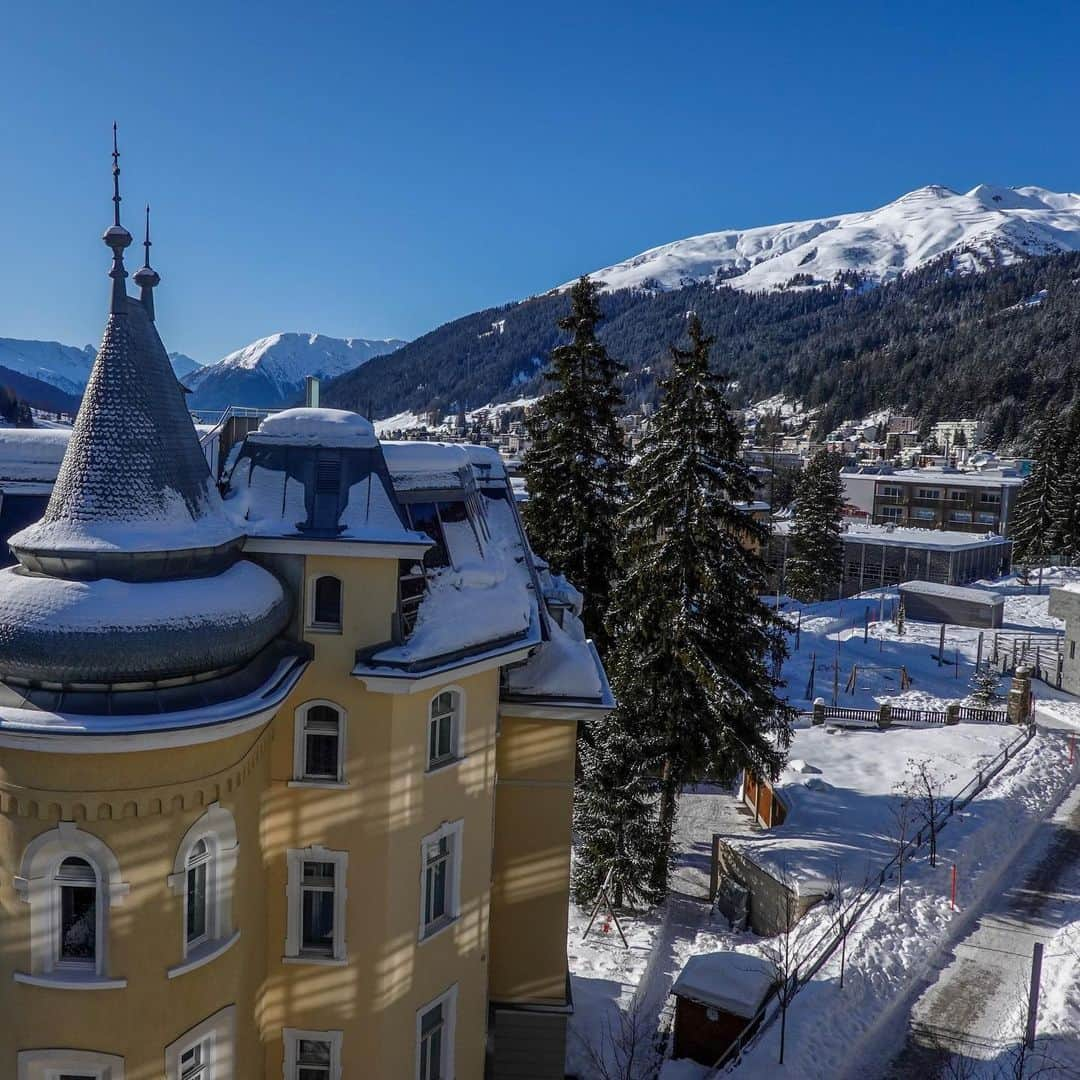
(326, 603)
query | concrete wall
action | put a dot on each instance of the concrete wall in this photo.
(954, 610)
(772, 904)
(1065, 604)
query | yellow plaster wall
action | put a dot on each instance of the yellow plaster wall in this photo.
(145, 931)
(534, 801)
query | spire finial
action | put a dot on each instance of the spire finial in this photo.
(116, 177)
(147, 277)
(118, 238)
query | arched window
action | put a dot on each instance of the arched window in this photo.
(444, 728)
(319, 744)
(77, 903)
(326, 603)
(70, 879)
(198, 917)
(203, 875)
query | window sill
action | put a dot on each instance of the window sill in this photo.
(313, 629)
(203, 954)
(324, 961)
(329, 785)
(435, 929)
(442, 766)
(70, 980)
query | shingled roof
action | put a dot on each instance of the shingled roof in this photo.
(134, 477)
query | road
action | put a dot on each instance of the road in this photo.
(974, 1012)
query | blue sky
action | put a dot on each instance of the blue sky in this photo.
(375, 170)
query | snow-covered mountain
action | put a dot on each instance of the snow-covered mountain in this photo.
(66, 367)
(182, 364)
(987, 226)
(270, 372)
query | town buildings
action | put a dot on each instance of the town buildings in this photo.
(286, 769)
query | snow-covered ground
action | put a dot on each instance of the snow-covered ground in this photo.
(619, 992)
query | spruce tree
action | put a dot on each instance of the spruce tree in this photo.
(615, 815)
(575, 467)
(814, 569)
(694, 646)
(1065, 484)
(984, 684)
(1035, 529)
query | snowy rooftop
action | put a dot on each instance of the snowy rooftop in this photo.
(899, 536)
(732, 981)
(316, 427)
(949, 478)
(955, 592)
(838, 787)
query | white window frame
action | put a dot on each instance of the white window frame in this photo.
(217, 1034)
(36, 885)
(300, 777)
(294, 929)
(453, 831)
(52, 1064)
(457, 731)
(890, 491)
(291, 1038)
(217, 828)
(887, 512)
(448, 1000)
(323, 627)
(928, 494)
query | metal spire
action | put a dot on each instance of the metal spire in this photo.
(147, 277)
(118, 238)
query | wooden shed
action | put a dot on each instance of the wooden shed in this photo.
(717, 996)
(928, 601)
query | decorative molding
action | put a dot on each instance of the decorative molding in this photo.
(53, 805)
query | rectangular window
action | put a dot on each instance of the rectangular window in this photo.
(195, 1063)
(77, 946)
(956, 496)
(892, 513)
(890, 491)
(312, 1055)
(322, 743)
(316, 896)
(196, 902)
(990, 498)
(923, 513)
(440, 878)
(986, 519)
(963, 517)
(928, 493)
(435, 1037)
(317, 890)
(442, 728)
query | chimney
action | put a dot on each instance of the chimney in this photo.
(311, 391)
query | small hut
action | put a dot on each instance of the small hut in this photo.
(717, 996)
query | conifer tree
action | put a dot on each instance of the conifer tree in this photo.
(694, 646)
(814, 569)
(984, 684)
(1065, 485)
(1035, 526)
(576, 465)
(615, 815)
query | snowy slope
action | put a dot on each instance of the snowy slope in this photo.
(182, 364)
(985, 227)
(63, 366)
(271, 371)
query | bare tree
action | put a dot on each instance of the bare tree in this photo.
(786, 953)
(622, 1049)
(842, 911)
(924, 788)
(902, 813)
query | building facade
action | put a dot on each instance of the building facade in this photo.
(970, 502)
(286, 768)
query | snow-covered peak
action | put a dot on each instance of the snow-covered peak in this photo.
(66, 367)
(986, 226)
(271, 371)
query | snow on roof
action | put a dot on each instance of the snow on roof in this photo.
(947, 478)
(565, 666)
(841, 814)
(955, 592)
(32, 454)
(316, 427)
(732, 981)
(902, 536)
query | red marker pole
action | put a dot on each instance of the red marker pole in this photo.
(952, 899)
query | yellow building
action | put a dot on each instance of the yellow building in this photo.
(286, 769)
